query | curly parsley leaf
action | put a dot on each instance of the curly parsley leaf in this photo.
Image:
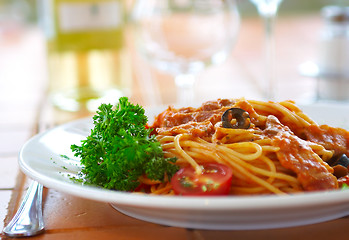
(120, 149)
(344, 186)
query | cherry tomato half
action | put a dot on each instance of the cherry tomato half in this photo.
(215, 179)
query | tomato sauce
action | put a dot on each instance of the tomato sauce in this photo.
(336, 139)
(296, 154)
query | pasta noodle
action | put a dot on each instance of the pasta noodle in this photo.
(272, 156)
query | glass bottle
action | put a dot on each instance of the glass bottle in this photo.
(334, 54)
(88, 63)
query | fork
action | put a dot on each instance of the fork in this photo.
(28, 220)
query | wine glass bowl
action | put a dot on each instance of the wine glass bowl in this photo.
(185, 37)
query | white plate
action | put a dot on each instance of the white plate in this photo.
(40, 158)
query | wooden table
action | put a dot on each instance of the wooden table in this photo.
(25, 111)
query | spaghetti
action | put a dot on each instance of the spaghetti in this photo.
(278, 153)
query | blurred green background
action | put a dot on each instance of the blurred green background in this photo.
(25, 10)
(292, 6)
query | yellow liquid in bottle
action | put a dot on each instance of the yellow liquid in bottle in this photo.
(87, 79)
(87, 61)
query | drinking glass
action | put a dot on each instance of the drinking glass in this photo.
(183, 37)
(268, 9)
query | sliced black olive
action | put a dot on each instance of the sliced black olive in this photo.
(339, 160)
(242, 118)
(340, 165)
(343, 160)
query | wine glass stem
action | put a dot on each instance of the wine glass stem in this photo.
(269, 22)
(185, 89)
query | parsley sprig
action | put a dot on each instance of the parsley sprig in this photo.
(120, 149)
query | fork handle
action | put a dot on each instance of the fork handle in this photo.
(28, 220)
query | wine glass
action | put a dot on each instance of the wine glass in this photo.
(268, 9)
(183, 37)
